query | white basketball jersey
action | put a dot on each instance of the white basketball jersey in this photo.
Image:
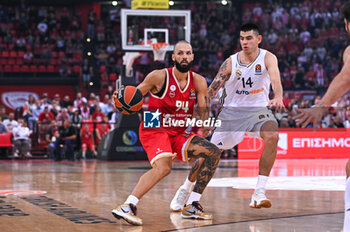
(248, 85)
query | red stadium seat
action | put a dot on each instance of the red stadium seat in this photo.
(8, 68)
(76, 69)
(11, 61)
(16, 68)
(102, 68)
(113, 76)
(42, 68)
(28, 47)
(19, 61)
(61, 54)
(3, 61)
(13, 54)
(33, 68)
(20, 54)
(54, 55)
(10, 46)
(25, 68)
(53, 62)
(77, 56)
(4, 54)
(50, 68)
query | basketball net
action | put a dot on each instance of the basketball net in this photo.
(128, 60)
(159, 50)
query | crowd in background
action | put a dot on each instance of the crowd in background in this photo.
(308, 38)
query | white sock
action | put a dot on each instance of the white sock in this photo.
(132, 200)
(188, 184)
(261, 182)
(193, 197)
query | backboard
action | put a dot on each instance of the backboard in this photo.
(141, 28)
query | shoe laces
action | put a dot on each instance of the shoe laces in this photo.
(133, 209)
(182, 195)
(196, 205)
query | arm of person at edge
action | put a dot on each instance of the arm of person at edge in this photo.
(202, 101)
(274, 73)
(338, 87)
(221, 77)
(153, 82)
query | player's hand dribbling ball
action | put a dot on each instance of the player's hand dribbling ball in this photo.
(128, 100)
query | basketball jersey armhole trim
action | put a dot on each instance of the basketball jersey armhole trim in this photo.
(166, 84)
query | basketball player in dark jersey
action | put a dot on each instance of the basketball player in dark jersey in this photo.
(339, 86)
(173, 93)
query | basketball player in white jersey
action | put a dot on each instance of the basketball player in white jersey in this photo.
(246, 77)
(339, 86)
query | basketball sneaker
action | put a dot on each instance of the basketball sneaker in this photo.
(128, 213)
(259, 199)
(179, 199)
(195, 211)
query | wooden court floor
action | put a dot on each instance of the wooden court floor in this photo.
(79, 196)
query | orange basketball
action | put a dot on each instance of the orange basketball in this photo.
(129, 100)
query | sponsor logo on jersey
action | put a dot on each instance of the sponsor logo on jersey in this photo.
(172, 87)
(192, 93)
(258, 69)
(172, 94)
(151, 119)
(245, 92)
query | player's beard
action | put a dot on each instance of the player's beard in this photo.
(183, 68)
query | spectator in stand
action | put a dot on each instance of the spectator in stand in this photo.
(114, 119)
(37, 109)
(65, 70)
(91, 24)
(45, 119)
(10, 122)
(22, 140)
(51, 139)
(63, 115)
(3, 113)
(101, 131)
(3, 128)
(86, 73)
(87, 140)
(347, 122)
(28, 57)
(98, 116)
(66, 102)
(108, 108)
(79, 100)
(85, 111)
(65, 136)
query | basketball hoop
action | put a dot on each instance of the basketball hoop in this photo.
(159, 50)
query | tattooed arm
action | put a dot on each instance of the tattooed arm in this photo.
(221, 77)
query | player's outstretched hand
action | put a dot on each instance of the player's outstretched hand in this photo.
(311, 115)
(115, 94)
(277, 104)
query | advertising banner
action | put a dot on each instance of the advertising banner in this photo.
(12, 96)
(301, 144)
